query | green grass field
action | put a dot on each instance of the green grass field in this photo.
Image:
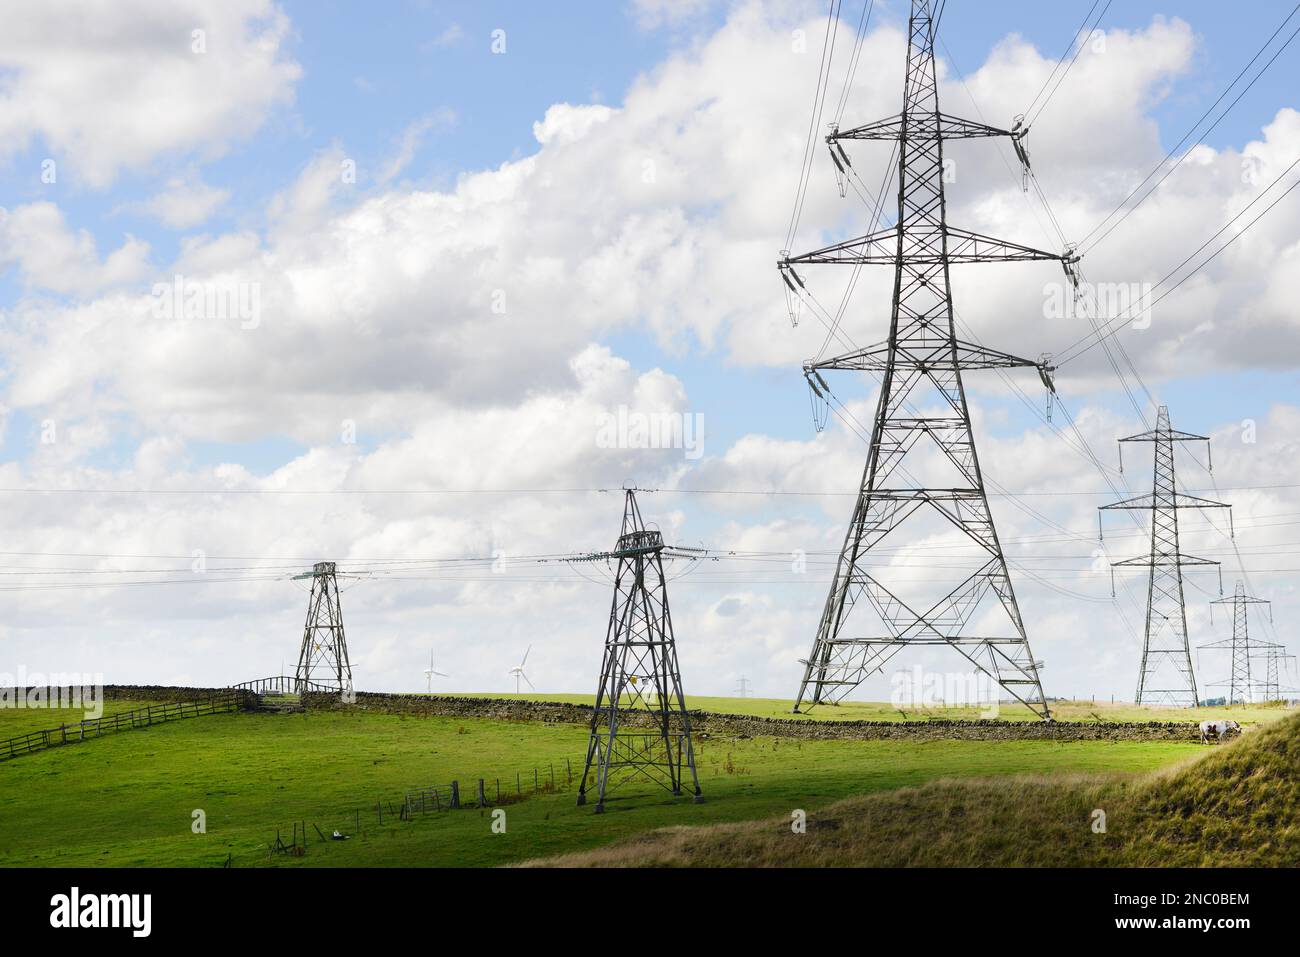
(127, 798)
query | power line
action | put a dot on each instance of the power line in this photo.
(814, 119)
(1190, 131)
(1073, 352)
(1078, 48)
(664, 490)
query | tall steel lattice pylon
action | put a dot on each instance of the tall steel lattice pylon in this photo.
(920, 366)
(639, 672)
(323, 658)
(1240, 685)
(1166, 675)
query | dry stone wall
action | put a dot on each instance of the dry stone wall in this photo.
(710, 723)
(729, 725)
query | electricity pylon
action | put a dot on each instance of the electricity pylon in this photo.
(639, 672)
(1166, 675)
(920, 365)
(323, 658)
(1270, 688)
(1239, 682)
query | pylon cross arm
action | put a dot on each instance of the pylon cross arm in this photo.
(1146, 561)
(962, 246)
(920, 126)
(1161, 435)
(966, 246)
(1145, 503)
(877, 247)
(936, 354)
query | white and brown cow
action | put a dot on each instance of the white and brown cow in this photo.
(1218, 730)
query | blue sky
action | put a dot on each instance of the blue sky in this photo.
(371, 70)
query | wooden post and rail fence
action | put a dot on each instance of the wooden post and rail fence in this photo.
(243, 696)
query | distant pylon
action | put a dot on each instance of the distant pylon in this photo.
(323, 658)
(639, 672)
(1240, 685)
(1166, 675)
(922, 417)
(1271, 688)
(742, 687)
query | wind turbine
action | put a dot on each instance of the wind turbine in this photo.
(518, 672)
(429, 672)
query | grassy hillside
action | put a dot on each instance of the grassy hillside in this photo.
(882, 711)
(1237, 805)
(127, 799)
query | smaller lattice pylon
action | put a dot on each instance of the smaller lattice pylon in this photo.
(323, 657)
(1165, 675)
(639, 727)
(1240, 685)
(1272, 652)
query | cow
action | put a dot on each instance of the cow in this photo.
(1218, 730)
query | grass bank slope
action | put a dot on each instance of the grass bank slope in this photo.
(1238, 805)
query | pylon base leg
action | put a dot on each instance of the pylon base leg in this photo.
(599, 809)
(582, 799)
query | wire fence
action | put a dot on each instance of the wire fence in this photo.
(488, 792)
(474, 793)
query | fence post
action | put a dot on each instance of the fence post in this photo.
(482, 798)
(455, 794)
(535, 780)
(568, 768)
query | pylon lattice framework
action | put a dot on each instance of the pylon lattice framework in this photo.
(638, 673)
(921, 365)
(323, 658)
(1166, 675)
(1240, 685)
